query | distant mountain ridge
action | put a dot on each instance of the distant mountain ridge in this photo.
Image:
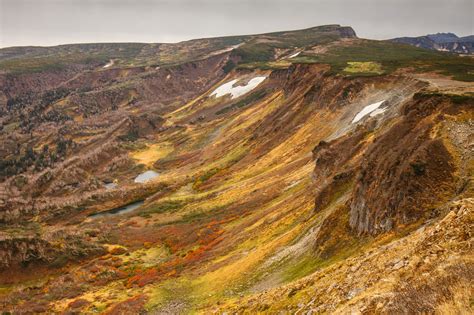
(441, 38)
(441, 42)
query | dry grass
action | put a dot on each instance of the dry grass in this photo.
(354, 67)
(152, 153)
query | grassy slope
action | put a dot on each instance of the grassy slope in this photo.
(391, 57)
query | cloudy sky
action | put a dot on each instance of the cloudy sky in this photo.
(52, 22)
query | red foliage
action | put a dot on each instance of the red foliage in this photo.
(143, 278)
(133, 305)
(178, 238)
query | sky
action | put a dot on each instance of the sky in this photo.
(53, 22)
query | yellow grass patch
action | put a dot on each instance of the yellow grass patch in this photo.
(364, 67)
(152, 153)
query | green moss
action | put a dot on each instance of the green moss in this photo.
(307, 265)
(204, 177)
(455, 98)
(162, 207)
(254, 52)
(171, 291)
(229, 66)
(265, 65)
(194, 216)
(461, 99)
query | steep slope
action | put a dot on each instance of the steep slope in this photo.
(430, 270)
(300, 171)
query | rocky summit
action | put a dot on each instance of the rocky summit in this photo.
(304, 172)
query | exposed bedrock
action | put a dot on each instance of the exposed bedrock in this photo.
(406, 173)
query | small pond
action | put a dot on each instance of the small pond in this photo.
(120, 210)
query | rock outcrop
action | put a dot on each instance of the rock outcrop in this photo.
(406, 173)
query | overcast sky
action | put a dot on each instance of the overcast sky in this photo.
(52, 22)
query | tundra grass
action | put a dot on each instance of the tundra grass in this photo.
(59, 57)
(162, 207)
(391, 57)
(153, 153)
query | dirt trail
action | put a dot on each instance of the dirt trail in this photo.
(445, 84)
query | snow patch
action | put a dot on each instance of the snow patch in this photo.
(217, 52)
(146, 176)
(294, 55)
(111, 63)
(236, 91)
(377, 111)
(228, 48)
(371, 109)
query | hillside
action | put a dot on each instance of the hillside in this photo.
(302, 171)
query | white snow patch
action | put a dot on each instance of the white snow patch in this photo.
(146, 176)
(377, 111)
(229, 48)
(236, 46)
(236, 91)
(294, 55)
(369, 109)
(217, 52)
(111, 63)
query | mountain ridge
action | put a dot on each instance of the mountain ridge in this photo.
(441, 41)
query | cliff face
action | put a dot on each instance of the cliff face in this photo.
(401, 173)
(348, 32)
(336, 29)
(406, 172)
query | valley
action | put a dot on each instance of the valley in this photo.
(306, 171)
